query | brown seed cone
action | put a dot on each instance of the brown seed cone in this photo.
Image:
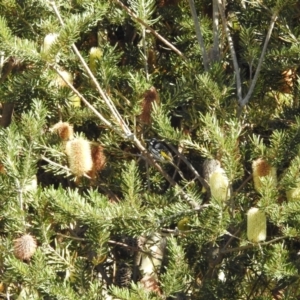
(262, 168)
(150, 96)
(64, 130)
(2, 169)
(287, 81)
(24, 247)
(99, 159)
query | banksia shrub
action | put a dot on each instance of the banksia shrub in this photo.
(79, 156)
(150, 96)
(64, 130)
(262, 168)
(24, 247)
(219, 185)
(256, 225)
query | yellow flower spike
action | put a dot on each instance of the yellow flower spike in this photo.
(79, 156)
(256, 225)
(219, 185)
(95, 54)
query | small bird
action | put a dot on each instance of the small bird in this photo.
(160, 151)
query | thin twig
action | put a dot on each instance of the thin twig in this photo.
(190, 166)
(232, 51)
(244, 101)
(216, 42)
(199, 34)
(60, 166)
(155, 33)
(252, 245)
(104, 96)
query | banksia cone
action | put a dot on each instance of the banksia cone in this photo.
(2, 169)
(150, 96)
(219, 185)
(293, 194)
(25, 247)
(60, 82)
(208, 167)
(32, 185)
(79, 156)
(256, 225)
(48, 41)
(262, 168)
(99, 159)
(123, 275)
(95, 54)
(64, 130)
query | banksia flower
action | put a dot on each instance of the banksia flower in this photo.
(60, 82)
(64, 130)
(150, 96)
(256, 225)
(25, 247)
(79, 156)
(219, 185)
(293, 194)
(48, 41)
(32, 185)
(262, 168)
(98, 158)
(208, 167)
(95, 54)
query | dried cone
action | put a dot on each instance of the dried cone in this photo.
(151, 284)
(286, 83)
(99, 159)
(48, 41)
(2, 169)
(150, 96)
(256, 225)
(79, 156)
(25, 247)
(262, 168)
(64, 130)
(219, 185)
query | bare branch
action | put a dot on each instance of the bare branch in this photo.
(216, 42)
(244, 101)
(155, 33)
(199, 34)
(232, 51)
